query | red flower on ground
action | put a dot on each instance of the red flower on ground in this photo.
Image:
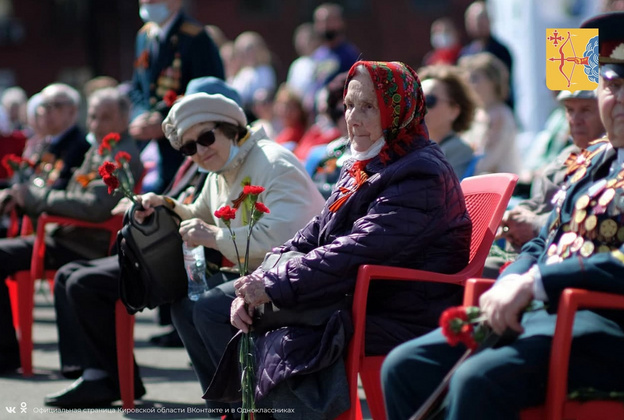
(252, 189)
(262, 208)
(111, 182)
(108, 142)
(106, 169)
(122, 156)
(225, 213)
(170, 97)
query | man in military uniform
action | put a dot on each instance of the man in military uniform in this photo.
(171, 49)
(581, 246)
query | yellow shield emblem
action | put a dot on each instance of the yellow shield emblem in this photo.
(572, 59)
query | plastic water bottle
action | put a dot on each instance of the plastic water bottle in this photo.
(195, 265)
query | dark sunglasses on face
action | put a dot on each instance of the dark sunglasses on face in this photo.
(207, 138)
(432, 100)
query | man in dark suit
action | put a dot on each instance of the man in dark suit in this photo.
(171, 49)
(86, 198)
(66, 145)
(581, 246)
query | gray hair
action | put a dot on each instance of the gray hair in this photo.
(62, 91)
(112, 94)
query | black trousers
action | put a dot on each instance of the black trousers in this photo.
(85, 293)
(15, 255)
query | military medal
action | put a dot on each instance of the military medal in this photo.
(577, 244)
(582, 202)
(587, 249)
(591, 222)
(608, 228)
(578, 174)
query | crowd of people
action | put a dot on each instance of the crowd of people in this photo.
(360, 162)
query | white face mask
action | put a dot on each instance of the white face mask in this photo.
(157, 13)
(91, 139)
(371, 152)
(442, 40)
(233, 152)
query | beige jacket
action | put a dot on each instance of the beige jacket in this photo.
(290, 195)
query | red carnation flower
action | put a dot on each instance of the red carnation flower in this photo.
(108, 142)
(262, 208)
(451, 322)
(225, 213)
(111, 182)
(252, 189)
(170, 97)
(121, 157)
(106, 169)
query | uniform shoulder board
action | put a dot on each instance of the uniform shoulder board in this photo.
(147, 27)
(190, 28)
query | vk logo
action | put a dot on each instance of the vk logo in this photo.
(10, 409)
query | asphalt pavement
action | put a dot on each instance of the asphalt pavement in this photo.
(173, 391)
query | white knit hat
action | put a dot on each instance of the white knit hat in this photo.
(198, 108)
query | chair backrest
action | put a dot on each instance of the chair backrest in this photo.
(486, 198)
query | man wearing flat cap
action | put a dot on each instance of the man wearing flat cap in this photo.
(580, 246)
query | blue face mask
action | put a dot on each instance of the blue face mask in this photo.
(157, 13)
(233, 152)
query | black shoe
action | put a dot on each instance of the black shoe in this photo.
(71, 372)
(85, 394)
(9, 363)
(170, 339)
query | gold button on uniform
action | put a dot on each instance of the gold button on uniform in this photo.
(608, 228)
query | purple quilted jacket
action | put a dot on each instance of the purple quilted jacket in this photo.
(409, 213)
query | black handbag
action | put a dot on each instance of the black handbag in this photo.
(269, 317)
(151, 260)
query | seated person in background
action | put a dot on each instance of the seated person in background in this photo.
(66, 144)
(86, 197)
(493, 132)
(85, 293)
(36, 129)
(547, 144)
(524, 222)
(445, 42)
(497, 383)
(262, 107)
(212, 130)
(397, 202)
(290, 115)
(330, 108)
(450, 109)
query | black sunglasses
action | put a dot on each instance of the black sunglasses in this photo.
(431, 101)
(207, 138)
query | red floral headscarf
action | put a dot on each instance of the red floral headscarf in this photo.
(401, 103)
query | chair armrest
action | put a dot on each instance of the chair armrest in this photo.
(474, 289)
(570, 302)
(36, 268)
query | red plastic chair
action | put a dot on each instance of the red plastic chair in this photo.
(486, 200)
(26, 279)
(557, 406)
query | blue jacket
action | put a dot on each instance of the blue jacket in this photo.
(410, 213)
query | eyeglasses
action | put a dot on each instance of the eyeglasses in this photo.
(432, 100)
(56, 105)
(207, 138)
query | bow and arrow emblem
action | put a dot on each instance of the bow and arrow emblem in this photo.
(563, 58)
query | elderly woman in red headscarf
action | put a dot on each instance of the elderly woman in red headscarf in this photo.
(397, 202)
